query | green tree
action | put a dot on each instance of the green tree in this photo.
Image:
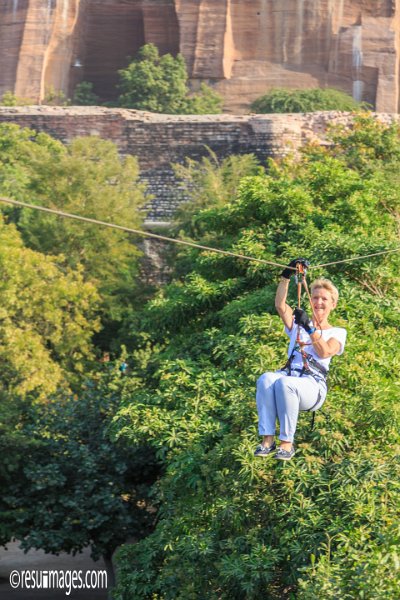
(231, 526)
(73, 488)
(159, 84)
(87, 178)
(208, 183)
(47, 319)
(282, 100)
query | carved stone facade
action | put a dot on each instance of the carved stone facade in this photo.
(242, 47)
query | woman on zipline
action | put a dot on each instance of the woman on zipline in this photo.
(301, 384)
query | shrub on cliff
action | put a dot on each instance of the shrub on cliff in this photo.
(231, 526)
(10, 99)
(281, 100)
(160, 84)
(84, 95)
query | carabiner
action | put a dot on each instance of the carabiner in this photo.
(300, 272)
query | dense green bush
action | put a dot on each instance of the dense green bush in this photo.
(324, 525)
(282, 100)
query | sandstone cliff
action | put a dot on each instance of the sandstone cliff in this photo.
(243, 47)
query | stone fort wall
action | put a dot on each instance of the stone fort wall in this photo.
(159, 140)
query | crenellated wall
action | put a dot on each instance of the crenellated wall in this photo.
(242, 47)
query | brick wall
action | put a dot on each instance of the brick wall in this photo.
(159, 140)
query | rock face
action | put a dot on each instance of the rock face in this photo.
(242, 47)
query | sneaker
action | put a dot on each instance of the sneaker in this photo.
(264, 451)
(282, 454)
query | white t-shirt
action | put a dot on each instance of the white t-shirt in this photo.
(338, 333)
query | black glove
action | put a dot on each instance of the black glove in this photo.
(301, 318)
(287, 273)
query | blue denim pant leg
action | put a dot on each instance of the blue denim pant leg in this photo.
(293, 394)
(266, 404)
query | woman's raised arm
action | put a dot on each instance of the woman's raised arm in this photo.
(284, 310)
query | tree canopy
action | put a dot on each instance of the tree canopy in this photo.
(72, 488)
(64, 484)
(48, 317)
(231, 526)
(160, 84)
(282, 100)
(88, 178)
(47, 320)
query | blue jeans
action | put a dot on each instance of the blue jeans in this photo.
(283, 396)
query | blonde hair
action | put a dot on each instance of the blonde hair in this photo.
(326, 284)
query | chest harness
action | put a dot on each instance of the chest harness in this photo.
(310, 365)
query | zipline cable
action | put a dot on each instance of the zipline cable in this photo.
(164, 238)
(138, 232)
(345, 260)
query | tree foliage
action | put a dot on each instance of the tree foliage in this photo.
(87, 178)
(47, 319)
(282, 100)
(209, 182)
(72, 488)
(160, 84)
(324, 525)
(64, 484)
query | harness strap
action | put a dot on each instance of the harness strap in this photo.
(322, 372)
(299, 345)
(307, 359)
(312, 421)
(315, 364)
